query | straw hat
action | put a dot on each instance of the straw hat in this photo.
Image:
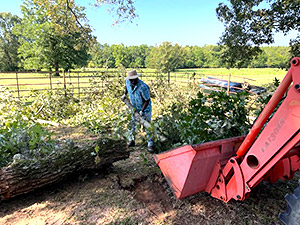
(132, 75)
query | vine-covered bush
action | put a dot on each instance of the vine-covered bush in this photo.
(53, 105)
(102, 110)
(206, 118)
(20, 136)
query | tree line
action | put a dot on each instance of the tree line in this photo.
(50, 37)
(168, 57)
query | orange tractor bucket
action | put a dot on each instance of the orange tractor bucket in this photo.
(189, 169)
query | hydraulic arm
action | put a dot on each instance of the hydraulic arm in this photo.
(268, 156)
(230, 168)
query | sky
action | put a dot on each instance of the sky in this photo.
(186, 22)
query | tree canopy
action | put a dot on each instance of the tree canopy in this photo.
(166, 57)
(52, 40)
(250, 24)
(123, 10)
(8, 42)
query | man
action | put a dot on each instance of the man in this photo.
(139, 94)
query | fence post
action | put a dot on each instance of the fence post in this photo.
(50, 78)
(78, 86)
(64, 77)
(228, 84)
(17, 79)
(70, 80)
(175, 77)
(102, 78)
(194, 81)
(107, 78)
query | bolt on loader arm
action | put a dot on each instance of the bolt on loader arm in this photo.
(230, 168)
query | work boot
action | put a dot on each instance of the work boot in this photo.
(131, 144)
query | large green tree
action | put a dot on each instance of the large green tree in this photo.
(212, 54)
(252, 23)
(199, 56)
(53, 40)
(166, 57)
(121, 55)
(101, 56)
(189, 57)
(8, 42)
(137, 56)
(277, 57)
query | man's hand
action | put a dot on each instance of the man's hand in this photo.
(141, 113)
(123, 97)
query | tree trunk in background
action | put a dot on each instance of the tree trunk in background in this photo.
(26, 175)
(56, 68)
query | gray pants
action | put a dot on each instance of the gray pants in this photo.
(146, 116)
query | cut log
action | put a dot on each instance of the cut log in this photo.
(25, 175)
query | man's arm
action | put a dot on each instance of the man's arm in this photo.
(146, 103)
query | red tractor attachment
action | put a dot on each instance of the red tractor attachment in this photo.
(230, 168)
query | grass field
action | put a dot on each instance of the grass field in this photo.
(256, 76)
(26, 82)
(77, 81)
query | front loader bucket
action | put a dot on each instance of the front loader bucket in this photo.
(188, 169)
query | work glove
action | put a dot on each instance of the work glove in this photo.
(123, 97)
(141, 113)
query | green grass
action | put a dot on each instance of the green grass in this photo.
(41, 81)
(254, 76)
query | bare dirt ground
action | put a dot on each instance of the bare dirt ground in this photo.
(133, 191)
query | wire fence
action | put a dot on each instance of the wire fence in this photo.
(22, 83)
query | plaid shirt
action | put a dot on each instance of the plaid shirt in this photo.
(138, 95)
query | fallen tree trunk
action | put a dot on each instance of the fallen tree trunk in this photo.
(25, 175)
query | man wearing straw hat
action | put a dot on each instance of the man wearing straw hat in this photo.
(139, 94)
